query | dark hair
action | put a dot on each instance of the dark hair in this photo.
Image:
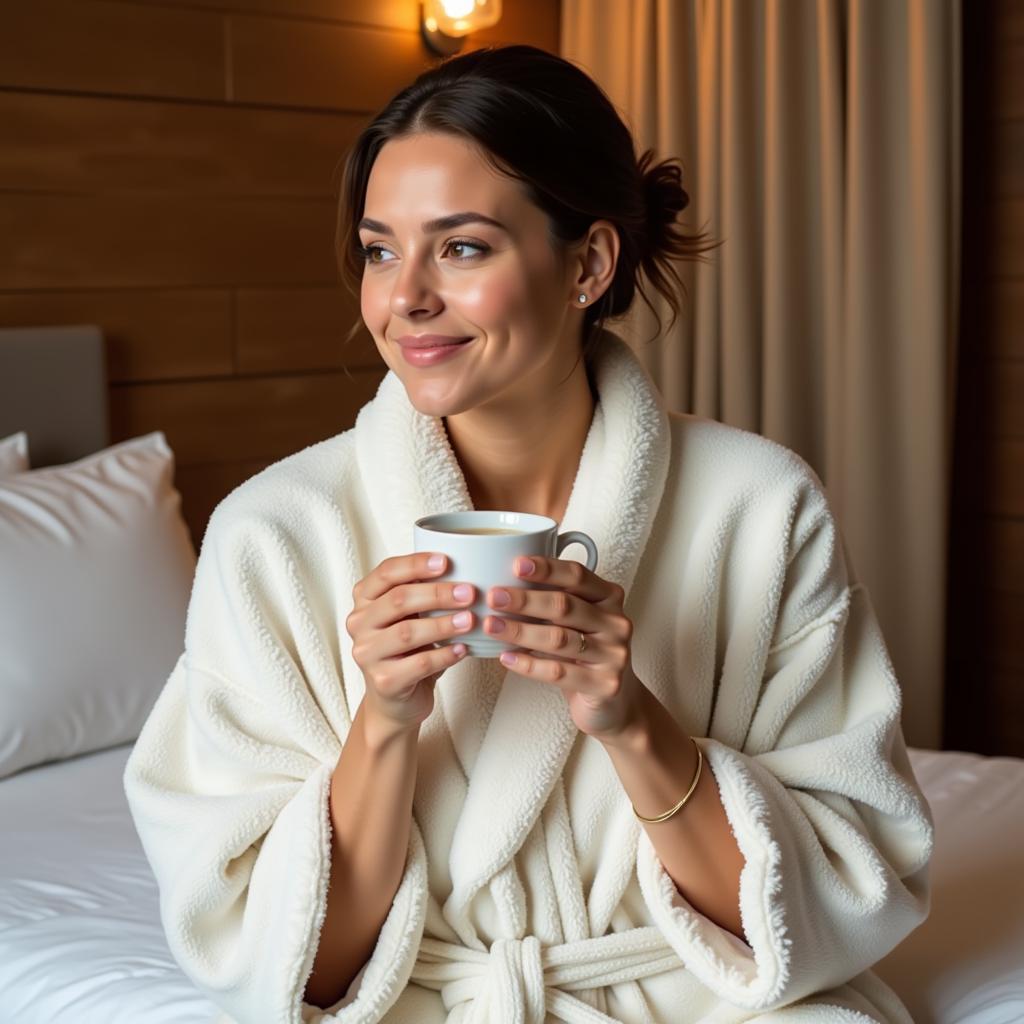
(543, 121)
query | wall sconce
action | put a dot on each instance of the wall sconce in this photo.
(444, 24)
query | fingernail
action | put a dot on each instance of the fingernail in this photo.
(436, 562)
(497, 626)
(462, 619)
(463, 592)
(526, 566)
(501, 598)
(507, 658)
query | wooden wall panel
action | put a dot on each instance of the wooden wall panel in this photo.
(150, 335)
(300, 63)
(170, 172)
(1006, 497)
(243, 418)
(109, 47)
(1007, 545)
(1006, 304)
(282, 329)
(84, 144)
(204, 487)
(985, 668)
(134, 241)
(394, 14)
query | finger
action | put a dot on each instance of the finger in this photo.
(398, 569)
(409, 600)
(566, 675)
(416, 666)
(556, 606)
(414, 635)
(548, 638)
(572, 577)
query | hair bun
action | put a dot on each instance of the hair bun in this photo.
(664, 196)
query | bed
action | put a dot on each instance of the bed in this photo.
(80, 933)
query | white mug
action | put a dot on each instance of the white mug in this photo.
(489, 560)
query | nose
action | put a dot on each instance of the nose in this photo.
(414, 291)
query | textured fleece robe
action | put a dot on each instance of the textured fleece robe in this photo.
(531, 893)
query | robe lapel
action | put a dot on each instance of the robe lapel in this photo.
(511, 762)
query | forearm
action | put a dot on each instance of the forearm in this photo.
(371, 812)
(656, 762)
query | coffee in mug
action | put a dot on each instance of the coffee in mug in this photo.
(482, 547)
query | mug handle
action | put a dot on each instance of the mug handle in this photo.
(577, 537)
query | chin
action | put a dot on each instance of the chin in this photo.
(431, 404)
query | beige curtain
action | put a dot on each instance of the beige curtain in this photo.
(820, 139)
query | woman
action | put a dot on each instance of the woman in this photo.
(687, 799)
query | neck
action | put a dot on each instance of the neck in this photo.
(526, 462)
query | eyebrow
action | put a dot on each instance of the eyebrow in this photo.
(453, 220)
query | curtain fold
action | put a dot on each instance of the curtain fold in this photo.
(820, 140)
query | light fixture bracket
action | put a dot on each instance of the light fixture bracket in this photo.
(439, 42)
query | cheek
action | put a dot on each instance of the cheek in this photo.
(499, 299)
(373, 305)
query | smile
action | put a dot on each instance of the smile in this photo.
(432, 356)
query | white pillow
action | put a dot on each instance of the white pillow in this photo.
(14, 454)
(96, 568)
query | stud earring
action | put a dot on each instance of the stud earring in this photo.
(583, 298)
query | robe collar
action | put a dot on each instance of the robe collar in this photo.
(511, 762)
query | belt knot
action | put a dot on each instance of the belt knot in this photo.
(516, 981)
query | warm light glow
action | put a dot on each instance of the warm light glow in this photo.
(457, 8)
(460, 17)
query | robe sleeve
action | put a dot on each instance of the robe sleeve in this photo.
(815, 780)
(229, 784)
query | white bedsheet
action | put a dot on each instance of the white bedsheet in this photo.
(81, 941)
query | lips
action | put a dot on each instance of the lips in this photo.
(434, 354)
(425, 341)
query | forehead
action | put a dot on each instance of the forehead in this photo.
(423, 175)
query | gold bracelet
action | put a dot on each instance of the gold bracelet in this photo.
(689, 792)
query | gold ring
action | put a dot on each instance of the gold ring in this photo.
(583, 643)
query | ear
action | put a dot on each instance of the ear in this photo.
(594, 263)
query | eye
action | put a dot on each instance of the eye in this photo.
(366, 252)
(462, 243)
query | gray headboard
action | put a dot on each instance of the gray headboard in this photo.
(53, 385)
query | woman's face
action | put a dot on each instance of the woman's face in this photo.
(501, 284)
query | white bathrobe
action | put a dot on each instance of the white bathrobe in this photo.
(531, 893)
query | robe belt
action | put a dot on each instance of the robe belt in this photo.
(519, 981)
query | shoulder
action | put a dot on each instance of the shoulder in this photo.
(739, 466)
(762, 505)
(283, 496)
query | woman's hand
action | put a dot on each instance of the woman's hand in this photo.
(394, 646)
(603, 693)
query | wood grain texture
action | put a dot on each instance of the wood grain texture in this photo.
(1005, 300)
(1008, 77)
(109, 47)
(1008, 237)
(203, 487)
(149, 334)
(1006, 696)
(317, 64)
(1005, 643)
(111, 145)
(1006, 568)
(394, 14)
(128, 240)
(1007, 406)
(1006, 494)
(170, 172)
(247, 418)
(290, 329)
(1008, 159)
